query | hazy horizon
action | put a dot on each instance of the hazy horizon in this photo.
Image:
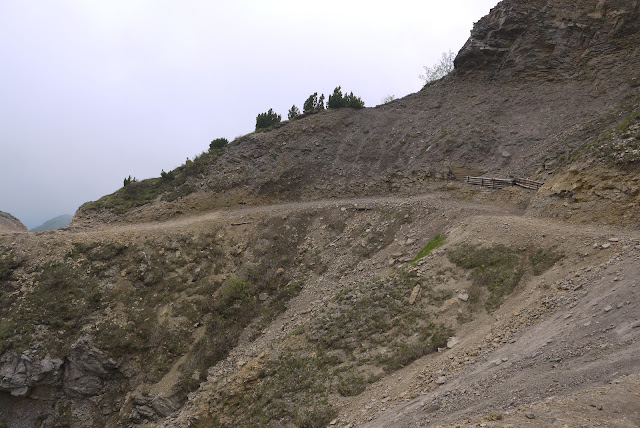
(96, 91)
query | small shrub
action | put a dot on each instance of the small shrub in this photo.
(388, 99)
(438, 70)
(351, 386)
(234, 291)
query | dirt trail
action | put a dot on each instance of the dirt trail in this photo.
(440, 200)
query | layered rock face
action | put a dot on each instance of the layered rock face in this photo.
(559, 35)
(9, 223)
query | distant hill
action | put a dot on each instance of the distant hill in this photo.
(55, 223)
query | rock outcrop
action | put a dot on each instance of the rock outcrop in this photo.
(562, 36)
(81, 374)
(85, 368)
(29, 375)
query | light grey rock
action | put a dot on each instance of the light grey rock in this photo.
(163, 406)
(19, 373)
(415, 294)
(453, 341)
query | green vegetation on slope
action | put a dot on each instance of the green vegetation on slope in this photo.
(171, 185)
(363, 334)
(498, 269)
(434, 243)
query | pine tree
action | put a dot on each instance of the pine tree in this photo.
(293, 112)
(335, 99)
(310, 104)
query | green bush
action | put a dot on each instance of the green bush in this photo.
(336, 100)
(352, 101)
(167, 175)
(267, 120)
(218, 143)
(128, 180)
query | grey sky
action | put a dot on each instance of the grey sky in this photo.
(92, 91)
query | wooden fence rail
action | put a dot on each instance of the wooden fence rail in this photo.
(499, 183)
(528, 184)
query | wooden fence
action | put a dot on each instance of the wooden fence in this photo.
(528, 184)
(499, 183)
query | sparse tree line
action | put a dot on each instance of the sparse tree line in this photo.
(313, 104)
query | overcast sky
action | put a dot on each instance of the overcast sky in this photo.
(92, 91)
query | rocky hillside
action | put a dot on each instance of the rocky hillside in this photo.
(335, 270)
(527, 89)
(9, 223)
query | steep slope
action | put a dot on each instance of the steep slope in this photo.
(9, 223)
(599, 181)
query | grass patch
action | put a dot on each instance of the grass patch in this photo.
(364, 332)
(96, 252)
(434, 243)
(542, 260)
(498, 269)
(8, 263)
(292, 391)
(61, 301)
(376, 315)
